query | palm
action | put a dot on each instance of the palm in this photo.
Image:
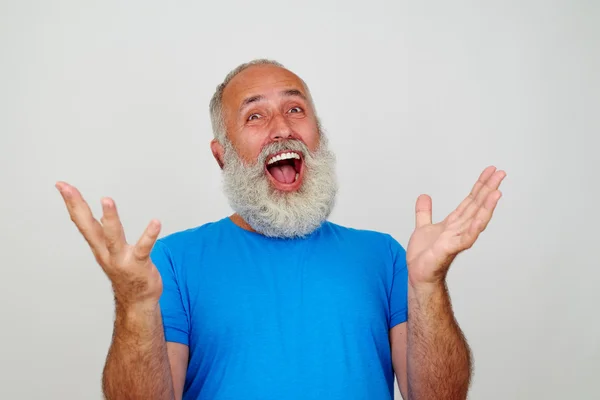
(432, 247)
(134, 277)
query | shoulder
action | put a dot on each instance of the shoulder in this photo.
(363, 237)
(194, 237)
(175, 252)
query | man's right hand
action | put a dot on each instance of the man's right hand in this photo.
(135, 280)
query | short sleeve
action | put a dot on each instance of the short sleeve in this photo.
(174, 315)
(399, 289)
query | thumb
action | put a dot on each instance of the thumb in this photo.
(423, 210)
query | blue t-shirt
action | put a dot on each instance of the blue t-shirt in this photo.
(283, 319)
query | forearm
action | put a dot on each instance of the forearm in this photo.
(137, 366)
(439, 359)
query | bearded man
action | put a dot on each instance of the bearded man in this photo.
(275, 302)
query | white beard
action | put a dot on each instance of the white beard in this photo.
(275, 213)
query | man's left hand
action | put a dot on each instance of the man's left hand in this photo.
(432, 247)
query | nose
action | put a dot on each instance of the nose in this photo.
(280, 128)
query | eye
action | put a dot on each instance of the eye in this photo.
(253, 116)
(295, 110)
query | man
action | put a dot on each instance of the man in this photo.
(275, 302)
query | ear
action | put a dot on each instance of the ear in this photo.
(217, 151)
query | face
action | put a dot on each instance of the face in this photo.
(266, 104)
(278, 171)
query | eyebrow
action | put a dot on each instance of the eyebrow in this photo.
(250, 100)
(286, 93)
(293, 93)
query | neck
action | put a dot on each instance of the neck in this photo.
(241, 222)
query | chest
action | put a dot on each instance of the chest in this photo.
(266, 291)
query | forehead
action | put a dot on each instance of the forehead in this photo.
(260, 80)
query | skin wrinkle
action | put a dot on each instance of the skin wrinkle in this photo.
(264, 80)
(258, 98)
(243, 154)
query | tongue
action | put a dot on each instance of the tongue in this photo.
(283, 174)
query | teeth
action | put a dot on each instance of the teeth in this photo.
(297, 175)
(283, 156)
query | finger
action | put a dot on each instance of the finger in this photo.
(82, 217)
(485, 175)
(490, 186)
(485, 213)
(481, 220)
(143, 247)
(423, 210)
(113, 229)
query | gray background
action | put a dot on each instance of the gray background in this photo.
(113, 98)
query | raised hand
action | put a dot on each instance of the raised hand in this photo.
(135, 280)
(432, 247)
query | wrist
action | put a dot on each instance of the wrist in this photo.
(425, 286)
(133, 311)
(425, 292)
(134, 321)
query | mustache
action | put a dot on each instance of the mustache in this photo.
(284, 145)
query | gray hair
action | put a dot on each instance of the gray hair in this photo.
(217, 117)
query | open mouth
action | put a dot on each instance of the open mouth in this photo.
(285, 170)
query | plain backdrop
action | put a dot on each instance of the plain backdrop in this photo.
(416, 97)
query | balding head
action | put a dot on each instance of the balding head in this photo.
(245, 73)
